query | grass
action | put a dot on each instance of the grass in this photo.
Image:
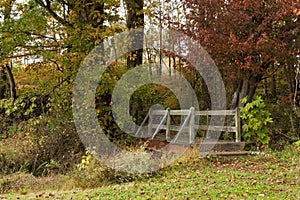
(267, 176)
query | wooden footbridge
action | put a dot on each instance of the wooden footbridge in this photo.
(179, 127)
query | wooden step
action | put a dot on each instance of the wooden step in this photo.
(231, 153)
(222, 145)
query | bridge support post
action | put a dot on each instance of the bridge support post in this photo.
(191, 125)
(168, 125)
(237, 125)
(150, 121)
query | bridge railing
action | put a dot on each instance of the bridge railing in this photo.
(161, 120)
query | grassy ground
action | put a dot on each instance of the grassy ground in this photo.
(266, 176)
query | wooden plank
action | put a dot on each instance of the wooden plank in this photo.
(197, 113)
(168, 126)
(217, 128)
(172, 127)
(150, 122)
(179, 112)
(225, 146)
(232, 153)
(215, 112)
(192, 126)
(158, 112)
(238, 125)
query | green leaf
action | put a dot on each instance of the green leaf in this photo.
(255, 119)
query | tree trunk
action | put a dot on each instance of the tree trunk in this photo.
(246, 88)
(244, 91)
(240, 92)
(3, 83)
(7, 69)
(291, 83)
(251, 91)
(235, 96)
(135, 19)
(204, 97)
(12, 84)
(273, 87)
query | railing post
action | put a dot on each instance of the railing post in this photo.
(168, 125)
(191, 125)
(207, 125)
(238, 125)
(150, 123)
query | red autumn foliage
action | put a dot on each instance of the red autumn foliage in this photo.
(249, 40)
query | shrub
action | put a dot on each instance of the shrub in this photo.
(256, 119)
(42, 143)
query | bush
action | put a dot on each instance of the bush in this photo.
(91, 173)
(256, 119)
(43, 143)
